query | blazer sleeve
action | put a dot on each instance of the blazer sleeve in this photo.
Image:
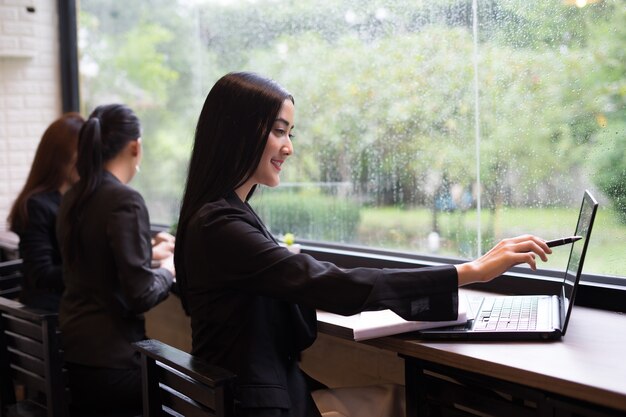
(128, 231)
(239, 256)
(38, 249)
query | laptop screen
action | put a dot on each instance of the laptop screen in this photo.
(577, 255)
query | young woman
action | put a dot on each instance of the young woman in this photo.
(34, 212)
(252, 302)
(104, 232)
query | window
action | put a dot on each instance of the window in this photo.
(432, 127)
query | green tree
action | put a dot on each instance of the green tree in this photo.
(385, 98)
(610, 163)
(149, 56)
(606, 82)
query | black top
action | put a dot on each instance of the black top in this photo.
(111, 284)
(43, 277)
(252, 301)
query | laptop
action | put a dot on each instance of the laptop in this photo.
(527, 317)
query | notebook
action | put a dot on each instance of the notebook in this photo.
(371, 324)
(528, 317)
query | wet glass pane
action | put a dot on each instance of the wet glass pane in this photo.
(435, 127)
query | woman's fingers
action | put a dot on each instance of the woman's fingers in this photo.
(525, 248)
(504, 255)
(162, 250)
(535, 247)
(526, 258)
(164, 237)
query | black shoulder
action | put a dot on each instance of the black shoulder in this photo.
(117, 191)
(44, 202)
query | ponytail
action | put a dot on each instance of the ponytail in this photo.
(89, 159)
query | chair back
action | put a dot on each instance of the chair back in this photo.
(30, 356)
(9, 245)
(11, 278)
(176, 383)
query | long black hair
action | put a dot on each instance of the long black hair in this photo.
(233, 127)
(107, 131)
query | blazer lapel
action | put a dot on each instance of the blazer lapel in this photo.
(234, 200)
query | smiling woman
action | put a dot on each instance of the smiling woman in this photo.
(252, 301)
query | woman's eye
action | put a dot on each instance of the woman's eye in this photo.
(280, 132)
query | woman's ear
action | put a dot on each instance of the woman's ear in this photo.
(135, 147)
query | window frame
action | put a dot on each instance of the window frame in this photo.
(596, 291)
(68, 55)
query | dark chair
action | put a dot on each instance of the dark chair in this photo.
(9, 246)
(11, 278)
(30, 357)
(177, 383)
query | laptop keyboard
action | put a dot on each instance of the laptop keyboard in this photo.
(507, 314)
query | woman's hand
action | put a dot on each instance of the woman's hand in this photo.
(163, 237)
(168, 263)
(506, 254)
(162, 250)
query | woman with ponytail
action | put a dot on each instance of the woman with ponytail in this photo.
(34, 212)
(104, 233)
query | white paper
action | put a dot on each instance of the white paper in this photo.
(372, 324)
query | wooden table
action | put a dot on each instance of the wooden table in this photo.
(584, 372)
(588, 366)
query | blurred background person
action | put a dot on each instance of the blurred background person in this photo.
(34, 212)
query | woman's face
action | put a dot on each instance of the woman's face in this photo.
(277, 149)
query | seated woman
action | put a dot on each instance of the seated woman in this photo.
(252, 302)
(104, 233)
(34, 212)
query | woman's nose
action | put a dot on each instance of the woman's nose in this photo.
(287, 148)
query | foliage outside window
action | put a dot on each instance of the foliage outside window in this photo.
(431, 127)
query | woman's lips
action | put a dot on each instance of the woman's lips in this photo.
(277, 163)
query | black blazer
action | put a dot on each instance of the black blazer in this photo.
(43, 277)
(252, 301)
(111, 284)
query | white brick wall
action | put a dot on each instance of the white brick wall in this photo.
(18, 28)
(30, 93)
